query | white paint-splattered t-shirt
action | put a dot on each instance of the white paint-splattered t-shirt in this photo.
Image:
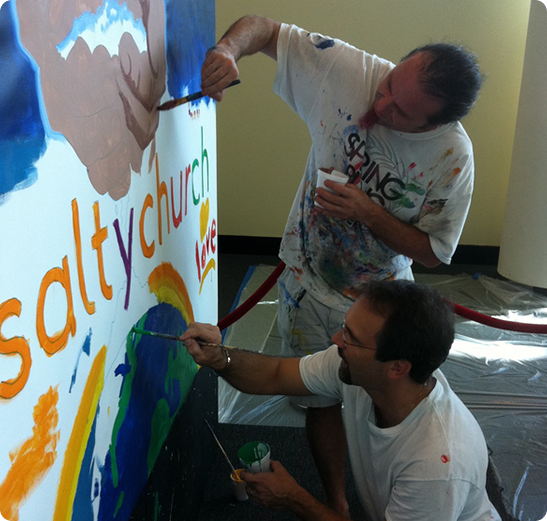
(424, 179)
(432, 466)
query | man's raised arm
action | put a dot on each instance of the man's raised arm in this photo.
(249, 35)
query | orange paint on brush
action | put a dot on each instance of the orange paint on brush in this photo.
(32, 461)
(237, 476)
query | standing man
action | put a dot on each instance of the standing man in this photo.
(416, 451)
(394, 131)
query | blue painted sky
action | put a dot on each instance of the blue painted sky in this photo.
(22, 136)
(190, 32)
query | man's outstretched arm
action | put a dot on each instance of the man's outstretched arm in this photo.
(249, 372)
(247, 36)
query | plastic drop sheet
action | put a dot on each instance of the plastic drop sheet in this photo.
(500, 375)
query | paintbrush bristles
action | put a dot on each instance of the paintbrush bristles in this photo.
(171, 104)
(154, 334)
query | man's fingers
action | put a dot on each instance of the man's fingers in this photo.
(218, 71)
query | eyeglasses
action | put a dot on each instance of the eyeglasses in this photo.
(346, 343)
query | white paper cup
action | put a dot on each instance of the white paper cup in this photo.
(255, 456)
(238, 485)
(337, 177)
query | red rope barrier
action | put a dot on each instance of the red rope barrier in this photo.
(499, 323)
(254, 299)
(486, 320)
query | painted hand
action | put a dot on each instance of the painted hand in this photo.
(218, 71)
(272, 489)
(347, 202)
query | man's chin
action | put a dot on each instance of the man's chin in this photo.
(343, 373)
(369, 120)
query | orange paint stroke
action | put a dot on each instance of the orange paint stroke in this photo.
(97, 239)
(89, 306)
(32, 461)
(147, 249)
(211, 265)
(12, 347)
(57, 342)
(167, 284)
(77, 444)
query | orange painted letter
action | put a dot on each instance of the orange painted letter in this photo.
(52, 344)
(89, 306)
(147, 249)
(97, 240)
(14, 346)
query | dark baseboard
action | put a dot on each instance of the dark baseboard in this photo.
(484, 255)
(248, 245)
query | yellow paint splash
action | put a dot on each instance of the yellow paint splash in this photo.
(32, 461)
(78, 439)
(210, 266)
(203, 219)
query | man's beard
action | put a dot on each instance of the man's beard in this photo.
(343, 371)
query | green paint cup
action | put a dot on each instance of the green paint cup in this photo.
(255, 456)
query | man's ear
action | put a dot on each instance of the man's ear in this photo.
(398, 369)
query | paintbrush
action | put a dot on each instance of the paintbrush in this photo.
(221, 448)
(173, 337)
(171, 104)
(154, 333)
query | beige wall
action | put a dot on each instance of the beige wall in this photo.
(263, 145)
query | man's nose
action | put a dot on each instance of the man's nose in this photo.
(337, 339)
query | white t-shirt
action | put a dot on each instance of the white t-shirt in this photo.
(424, 179)
(432, 466)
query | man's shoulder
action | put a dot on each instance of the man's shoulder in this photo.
(454, 419)
(329, 44)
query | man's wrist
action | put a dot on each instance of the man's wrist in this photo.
(227, 47)
(223, 370)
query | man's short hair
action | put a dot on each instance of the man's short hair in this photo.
(419, 325)
(450, 74)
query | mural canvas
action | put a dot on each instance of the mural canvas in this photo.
(108, 213)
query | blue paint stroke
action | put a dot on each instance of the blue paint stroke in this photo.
(190, 29)
(22, 135)
(82, 509)
(325, 43)
(157, 376)
(86, 348)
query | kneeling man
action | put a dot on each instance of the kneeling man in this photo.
(416, 451)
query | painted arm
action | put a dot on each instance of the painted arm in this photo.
(249, 35)
(349, 202)
(249, 372)
(278, 489)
